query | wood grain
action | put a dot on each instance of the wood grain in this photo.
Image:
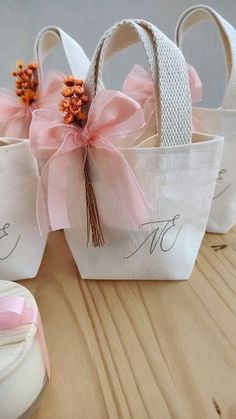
(139, 349)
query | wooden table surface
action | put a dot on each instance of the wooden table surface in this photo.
(140, 349)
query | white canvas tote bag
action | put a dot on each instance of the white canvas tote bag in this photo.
(21, 245)
(177, 177)
(221, 121)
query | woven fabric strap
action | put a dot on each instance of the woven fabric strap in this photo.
(168, 69)
(48, 38)
(198, 14)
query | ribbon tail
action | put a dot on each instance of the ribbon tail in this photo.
(197, 126)
(41, 203)
(32, 316)
(76, 186)
(43, 345)
(120, 178)
(59, 191)
(52, 211)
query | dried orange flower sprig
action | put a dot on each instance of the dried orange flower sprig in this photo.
(73, 102)
(73, 105)
(26, 81)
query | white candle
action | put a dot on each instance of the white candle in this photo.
(23, 372)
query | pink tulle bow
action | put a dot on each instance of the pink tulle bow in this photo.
(15, 313)
(195, 84)
(15, 116)
(139, 85)
(114, 121)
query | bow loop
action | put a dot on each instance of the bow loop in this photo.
(195, 84)
(115, 116)
(15, 313)
(140, 86)
(50, 90)
(11, 312)
(15, 116)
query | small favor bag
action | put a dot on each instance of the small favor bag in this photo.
(21, 245)
(221, 121)
(141, 208)
(177, 178)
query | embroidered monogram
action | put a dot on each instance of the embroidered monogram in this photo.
(4, 234)
(160, 235)
(219, 182)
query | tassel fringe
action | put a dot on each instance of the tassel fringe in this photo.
(93, 221)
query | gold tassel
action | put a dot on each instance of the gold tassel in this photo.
(93, 221)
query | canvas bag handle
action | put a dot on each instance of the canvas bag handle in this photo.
(48, 38)
(168, 69)
(201, 13)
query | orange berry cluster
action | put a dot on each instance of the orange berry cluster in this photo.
(26, 82)
(74, 99)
